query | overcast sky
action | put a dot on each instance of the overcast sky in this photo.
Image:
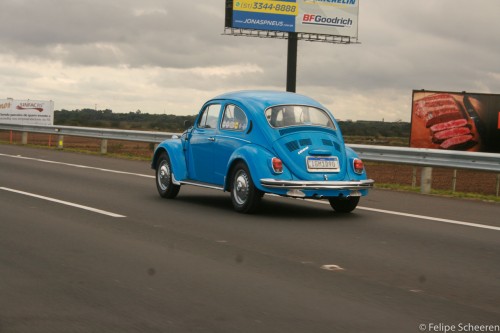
(169, 56)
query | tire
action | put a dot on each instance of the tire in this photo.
(164, 184)
(245, 196)
(344, 205)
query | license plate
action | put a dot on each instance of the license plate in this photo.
(322, 164)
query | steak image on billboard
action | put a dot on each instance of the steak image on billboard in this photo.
(455, 121)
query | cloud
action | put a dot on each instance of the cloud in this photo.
(169, 56)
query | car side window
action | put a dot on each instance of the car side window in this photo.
(210, 116)
(234, 118)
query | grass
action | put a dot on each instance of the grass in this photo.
(442, 193)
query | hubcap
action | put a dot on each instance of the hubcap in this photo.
(163, 176)
(240, 187)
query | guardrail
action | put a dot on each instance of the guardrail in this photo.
(426, 158)
(97, 133)
(429, 157)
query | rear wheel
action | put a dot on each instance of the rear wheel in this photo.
(344, 205)
(244, 195)
(164, 184)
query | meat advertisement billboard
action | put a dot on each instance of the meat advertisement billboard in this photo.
(26, 112)
(455, 121)
(325, 17)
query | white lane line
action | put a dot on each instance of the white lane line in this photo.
(430, 218)
(422, 217)
(77, 165)
(390, 212)
(95, 210)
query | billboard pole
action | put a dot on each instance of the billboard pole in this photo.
(291, 66)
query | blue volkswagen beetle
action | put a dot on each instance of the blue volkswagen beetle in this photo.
(251, 143)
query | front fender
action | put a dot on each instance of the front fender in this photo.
(258, 160)
(175, 151)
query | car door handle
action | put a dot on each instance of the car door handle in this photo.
(211, 139)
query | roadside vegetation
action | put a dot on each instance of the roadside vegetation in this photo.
(442, 193)
(362, 132)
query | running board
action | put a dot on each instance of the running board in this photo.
(200, 184)
(196, 183)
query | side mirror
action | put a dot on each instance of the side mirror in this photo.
(188, 124)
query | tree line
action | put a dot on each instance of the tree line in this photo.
(173, 123)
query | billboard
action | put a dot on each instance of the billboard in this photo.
(455, 121)
(26, 112)
(325, 17)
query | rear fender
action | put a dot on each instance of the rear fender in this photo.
(174, 149)
(258, 160)
(351, 155)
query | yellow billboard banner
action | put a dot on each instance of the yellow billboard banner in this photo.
(267, 6)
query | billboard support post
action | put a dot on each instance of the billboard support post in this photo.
(329, 21)
(291, 67)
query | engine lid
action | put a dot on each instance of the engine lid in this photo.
(311, 155)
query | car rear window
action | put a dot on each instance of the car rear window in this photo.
(298, 115)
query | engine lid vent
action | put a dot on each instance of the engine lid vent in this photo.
(292, 145)
(305, 142)
(327, 142)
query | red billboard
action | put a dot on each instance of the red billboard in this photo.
(455, 121)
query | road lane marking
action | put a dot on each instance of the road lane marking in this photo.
(421, 217)
(67, 203)
(77, 165)
(334, 268)
(430, 218)
(383, 211)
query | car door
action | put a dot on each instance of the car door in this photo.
(232, 135)
(201, 145)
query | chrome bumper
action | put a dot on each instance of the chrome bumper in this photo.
(317, 185)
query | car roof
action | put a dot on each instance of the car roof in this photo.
(262, 99)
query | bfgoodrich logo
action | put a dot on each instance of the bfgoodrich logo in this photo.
(330, 21)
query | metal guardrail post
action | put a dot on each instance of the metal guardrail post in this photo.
(426, 180)
(454, 181)
(60, 142)
(104, 146)
(498, 183)
(414, 177)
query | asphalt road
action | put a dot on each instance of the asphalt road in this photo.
(87, 249)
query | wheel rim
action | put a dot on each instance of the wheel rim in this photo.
(241, 187)
(163, 176)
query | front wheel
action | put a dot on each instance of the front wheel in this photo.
(244, 195)
(166, 188)
(344, 205)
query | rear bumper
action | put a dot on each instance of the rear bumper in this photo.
(317, 185)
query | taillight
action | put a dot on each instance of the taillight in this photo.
(358, 166)
(277, 165)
